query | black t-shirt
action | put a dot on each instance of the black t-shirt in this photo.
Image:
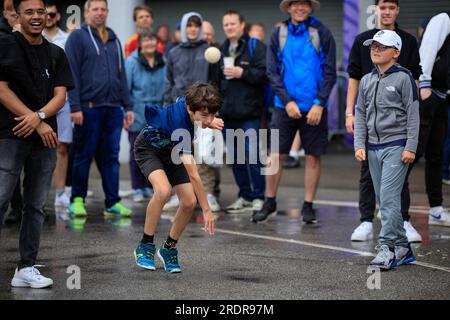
(361, 64)
(54, 71)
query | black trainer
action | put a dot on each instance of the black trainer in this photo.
(309, 215)
(14, 217)
(268, 211)
(291, 163)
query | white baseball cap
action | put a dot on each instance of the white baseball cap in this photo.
(387, 38)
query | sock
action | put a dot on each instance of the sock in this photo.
(59, 192)
(272, 201)
(307, 205)
(170, 243)
(436, 210)
(147, 239)
(294, 154)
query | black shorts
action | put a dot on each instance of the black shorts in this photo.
(150, 159)
(314, 138)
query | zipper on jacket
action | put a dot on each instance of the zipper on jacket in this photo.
(376, 109)
(108, 69)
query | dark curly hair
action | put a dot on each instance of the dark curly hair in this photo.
(203, 96)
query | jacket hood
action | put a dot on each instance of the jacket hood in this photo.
(395, 68)
(112, 34)
(184, 21)
(159, 60)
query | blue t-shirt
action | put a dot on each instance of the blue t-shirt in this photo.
(162, 123)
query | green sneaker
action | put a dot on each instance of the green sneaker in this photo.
(77, 208)
(118, 210)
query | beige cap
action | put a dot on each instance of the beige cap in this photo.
(284, 5)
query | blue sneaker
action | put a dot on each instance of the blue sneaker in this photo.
(148, 193)
(145, 256)
(404, 255)
(169, 258)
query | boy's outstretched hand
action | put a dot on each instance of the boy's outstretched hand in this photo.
(210, 221)
(408, 157)
(360, 155)
(217, 124)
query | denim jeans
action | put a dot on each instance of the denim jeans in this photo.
(248, 175)
(98, 137)
(38, 164)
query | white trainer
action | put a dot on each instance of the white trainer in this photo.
(172, 204)
(411, 233)
(62, 201)
(213, 204)
(364, 232)
(257, 205)
(439, 217)
(240, 205)
(30, 278)
(138, 196)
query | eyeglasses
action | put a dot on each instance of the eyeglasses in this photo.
(52, 15)
(379, 47)
(31, 12)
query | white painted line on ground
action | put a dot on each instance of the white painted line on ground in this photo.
(321, 246)
(352, 204)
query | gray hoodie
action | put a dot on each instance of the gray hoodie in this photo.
(388, 110)
(186, 63)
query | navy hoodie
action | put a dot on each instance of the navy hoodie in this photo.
(98, 71)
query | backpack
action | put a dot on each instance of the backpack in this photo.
(313, 36)
(282, 38)
(251, 47)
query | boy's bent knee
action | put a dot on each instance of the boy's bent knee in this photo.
(188, 205)
(163, 193)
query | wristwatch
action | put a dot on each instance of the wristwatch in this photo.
(41, 115)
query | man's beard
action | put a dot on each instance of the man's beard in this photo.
(51, 26)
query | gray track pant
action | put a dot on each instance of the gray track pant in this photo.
(388, 174)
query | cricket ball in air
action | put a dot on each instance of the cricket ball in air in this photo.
(212, 55)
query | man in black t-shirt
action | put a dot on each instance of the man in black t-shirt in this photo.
(34, 79)
(9, 23)
(361, 64)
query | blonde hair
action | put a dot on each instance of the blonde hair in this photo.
(8, 5)
(88, 3)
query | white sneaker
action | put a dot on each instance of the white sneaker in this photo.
(364, 232)
(240, 205)
(30, 278)
(213, 204)
(173, 203)
(411, 233)
(257, 204)
(62, 200)
(439, 217)
(446, 182)
(124, 193)
(138, 196)
(301, 153)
